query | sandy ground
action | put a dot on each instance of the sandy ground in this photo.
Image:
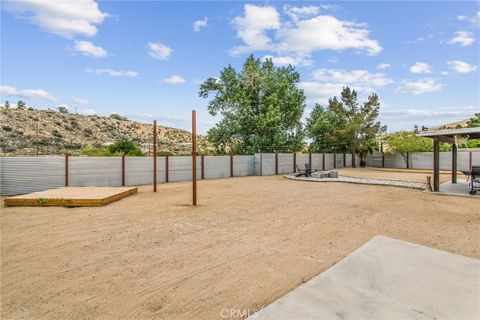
(396, 174)
(250, 241)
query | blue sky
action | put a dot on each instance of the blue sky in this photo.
(146, 59)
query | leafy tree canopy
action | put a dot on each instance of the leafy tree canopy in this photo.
(21, 105)
(118, 117)
(261, 108)
(126, 147)
(345, 124)
(474, 121)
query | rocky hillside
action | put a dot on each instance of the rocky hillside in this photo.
(22, 132)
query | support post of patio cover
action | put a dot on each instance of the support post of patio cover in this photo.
(436, 164)
(454, 163)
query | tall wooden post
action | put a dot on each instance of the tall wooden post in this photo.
(408, 160)
(231, 165)
(66, 169)
(383, 159)
(436, 164)
(123, 170)
(454, 163)
(354, 165)
(323, 161)
(166, 167)
(194, 157)
(344, 160)
(154, 155)
(310, 159)
(334, 160)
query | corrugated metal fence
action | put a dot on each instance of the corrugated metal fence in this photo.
(19, 175)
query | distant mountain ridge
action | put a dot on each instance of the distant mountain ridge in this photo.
(23, 131)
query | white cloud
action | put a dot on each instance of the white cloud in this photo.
(159, 51)
(461, 66)
(421, 67)
(322, 32)
(295, 13)
(174, 79)
(463, 38)
(406, 118)
(199, 24)
(417, 87)
(87, 48)
(81, 101)
(383, 66)
(294, 60)
(330, 82)
(252, 28)
(360, 78)
(63, 18)
(27, 93)
(88, 112)
(113, 73)
(320, 92)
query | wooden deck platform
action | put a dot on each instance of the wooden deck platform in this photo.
(72, 197)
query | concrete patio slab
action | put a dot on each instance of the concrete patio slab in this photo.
(457, 189)
(387, 279)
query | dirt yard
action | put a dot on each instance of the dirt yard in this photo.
(396, 174)
(250, 241)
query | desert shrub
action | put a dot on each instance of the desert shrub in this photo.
(7, 128)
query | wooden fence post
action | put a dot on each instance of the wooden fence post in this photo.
(323, 161)
(470, 161)
(276, 162)
(231, 165)
(166, 167)
(154, 155)
(194, 157)
(353, 160)
(334, 160)
(66, 169)
(294, 162)
(202, 160)
(261, 163)
(383, 159)
(344, 160)
(123, 170)
(310, 159)
(408, 162)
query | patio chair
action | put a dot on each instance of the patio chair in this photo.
(300, 172)
(309, 170)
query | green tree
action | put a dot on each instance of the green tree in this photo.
(126, 147)
(355, 128)
(261, 108)
(321, 128)
(21, 105)
(405, 142)
(63, 109)
(474, 121)
(118, 117)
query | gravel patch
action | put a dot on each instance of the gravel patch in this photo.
(376, 182)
